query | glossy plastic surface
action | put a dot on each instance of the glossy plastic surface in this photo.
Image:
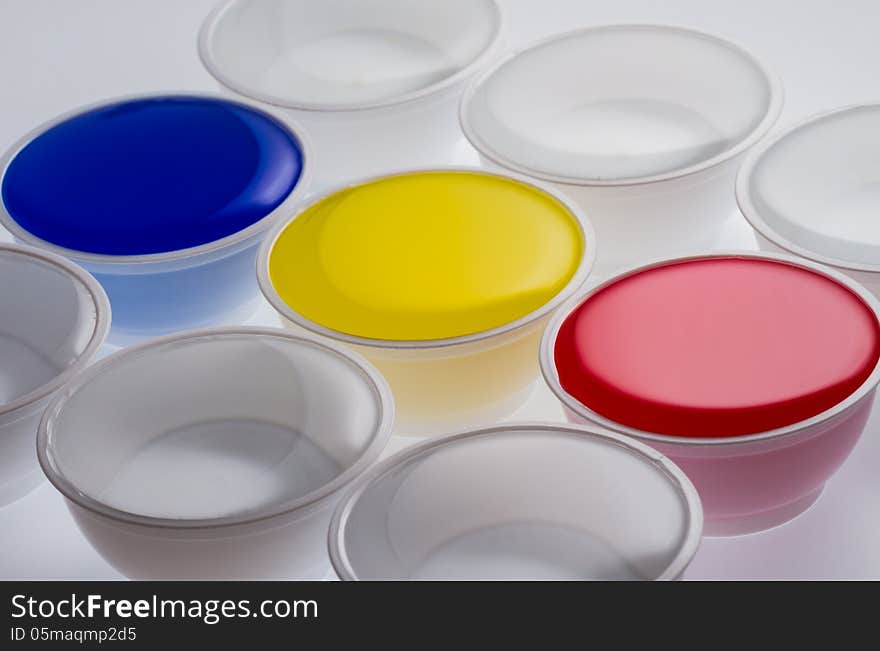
(151, 175)
(519, 502)
(204, 164)
(429, 255)
(377, 84)
(641, 125)
(815, 191)
(157, 298)
(487, 259)
(442, 389)
(53, 319)
(217, 453)
(700, 99)
(747, 482)
(718, 347)
(343, 54)
(152, 46)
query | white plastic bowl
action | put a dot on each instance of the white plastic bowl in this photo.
(376, 83)
(519, 501)
(53, 319)
(814, 190)
(215, 453)
(642, 124)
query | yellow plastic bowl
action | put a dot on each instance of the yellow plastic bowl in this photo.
(442, 278)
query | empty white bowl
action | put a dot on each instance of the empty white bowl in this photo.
(641, 124)
(376, 83)
(519, 501)
(53, 319)
(814, 190)
(215, 453)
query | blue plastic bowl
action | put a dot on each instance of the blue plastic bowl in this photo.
(164, 198)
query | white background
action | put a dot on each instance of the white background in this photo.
(58, 54)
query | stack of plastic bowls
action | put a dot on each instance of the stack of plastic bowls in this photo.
(227, 463)
(815, 191)
(376, 83)
(642, 125)
(164, 198)
(53, 319)
(754, 373)
(444, 279)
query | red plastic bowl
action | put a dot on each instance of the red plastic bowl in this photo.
(755, 373)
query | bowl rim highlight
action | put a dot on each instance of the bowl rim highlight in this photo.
(258, 227)
(692, 531)
(774, 108)
(753, 216)
(551, 375)
(575, 282)
(205, 42)
(372, 377)
(102, 323)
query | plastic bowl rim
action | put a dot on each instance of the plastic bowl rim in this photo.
(205, 48)
(551, 375)
(576, 281)
(299, 135)
(99, 333)
(754, 217)
(381, 434)
(771, 114)
(692, 529)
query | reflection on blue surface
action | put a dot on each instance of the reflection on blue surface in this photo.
(152, 175)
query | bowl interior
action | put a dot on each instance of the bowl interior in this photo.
(525, 504)
(217, 426)
(346, 53)
(47, 319)
(819, 186)
(618, 103)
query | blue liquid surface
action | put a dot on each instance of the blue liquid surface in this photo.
(152, 175)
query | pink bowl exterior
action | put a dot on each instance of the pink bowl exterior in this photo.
(756, 485)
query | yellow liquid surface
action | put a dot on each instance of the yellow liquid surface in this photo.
(428, 255)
